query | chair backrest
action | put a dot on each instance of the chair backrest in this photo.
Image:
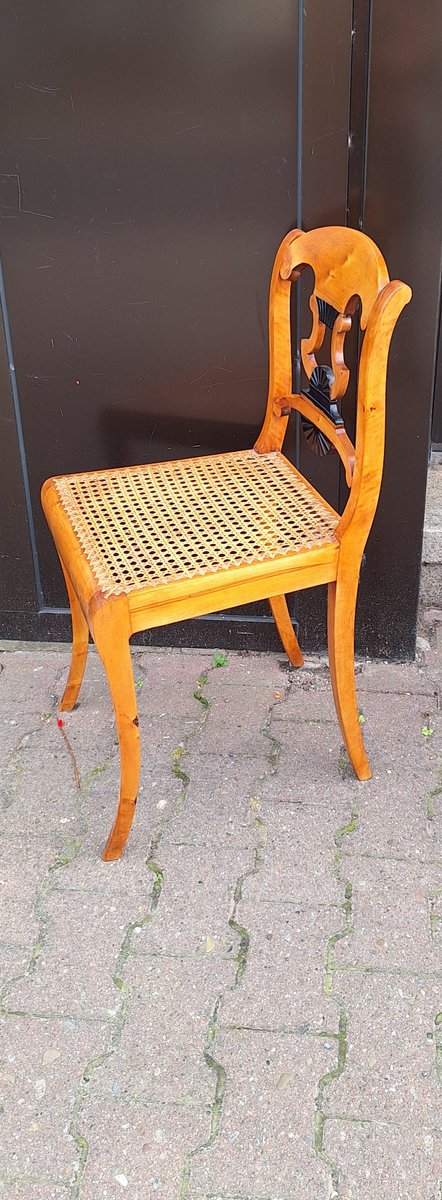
(349, 271)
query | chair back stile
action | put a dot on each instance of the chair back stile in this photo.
(274, 427)
(349, 271)
(358, 515)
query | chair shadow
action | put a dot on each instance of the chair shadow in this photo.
(132, 437)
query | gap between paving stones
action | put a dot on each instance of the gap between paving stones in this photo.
(340, 1036)
(244, 943)
(178, 757)
(67, 854)
(63, 860)
(332, 969)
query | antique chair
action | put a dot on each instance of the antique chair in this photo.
(144, 546)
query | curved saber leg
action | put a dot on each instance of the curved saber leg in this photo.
(281, 617)
(341, 622)
(80, 643)
(111, 638)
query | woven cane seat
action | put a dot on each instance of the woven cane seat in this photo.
(151, 525)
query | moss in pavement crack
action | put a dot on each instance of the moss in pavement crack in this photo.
(120, 1018)
(220, 1074)
(330, 969)
(99, 1060)
(178, 754)
(436, 794)
(199, 693)
(324, 1083)
(275, 748)
(157, 884)
(274, 752)
(346, 906)
(13, 765)
(16, 769)
(93, 774)
(217, 1102)
(435, 918)
(438, 1045)
(344, 765)
(330, 962)
(244, 943)
(241, 959)
(219, 659)
(438, 1064)
(240, 930)
(64, 859)
(342, 833)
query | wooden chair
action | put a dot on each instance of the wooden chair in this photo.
(144, 546)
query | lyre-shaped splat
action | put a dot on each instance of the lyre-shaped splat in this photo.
(340, 370)
(325, 316)
(314, 342)
(326, 384)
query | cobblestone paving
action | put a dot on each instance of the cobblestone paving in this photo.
(248, 1006)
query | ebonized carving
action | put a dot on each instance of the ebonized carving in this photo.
(318, 391)
(327, 314)
(326, 384)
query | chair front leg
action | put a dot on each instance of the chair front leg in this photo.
(80, 643)
(342, 594)
(111, 633)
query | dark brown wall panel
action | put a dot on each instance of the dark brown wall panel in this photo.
(327, 47)
(154, 149)
(402, 213)
(18, 597)
(436, 430)
(153, 156)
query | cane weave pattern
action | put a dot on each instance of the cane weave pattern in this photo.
(151, 525)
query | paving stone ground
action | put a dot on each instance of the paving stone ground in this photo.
(248, 1005)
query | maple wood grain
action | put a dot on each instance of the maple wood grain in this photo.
(348, 269)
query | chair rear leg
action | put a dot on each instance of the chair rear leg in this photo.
(111, 636)
(281, 617)
(80, 643)
(341, 621)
